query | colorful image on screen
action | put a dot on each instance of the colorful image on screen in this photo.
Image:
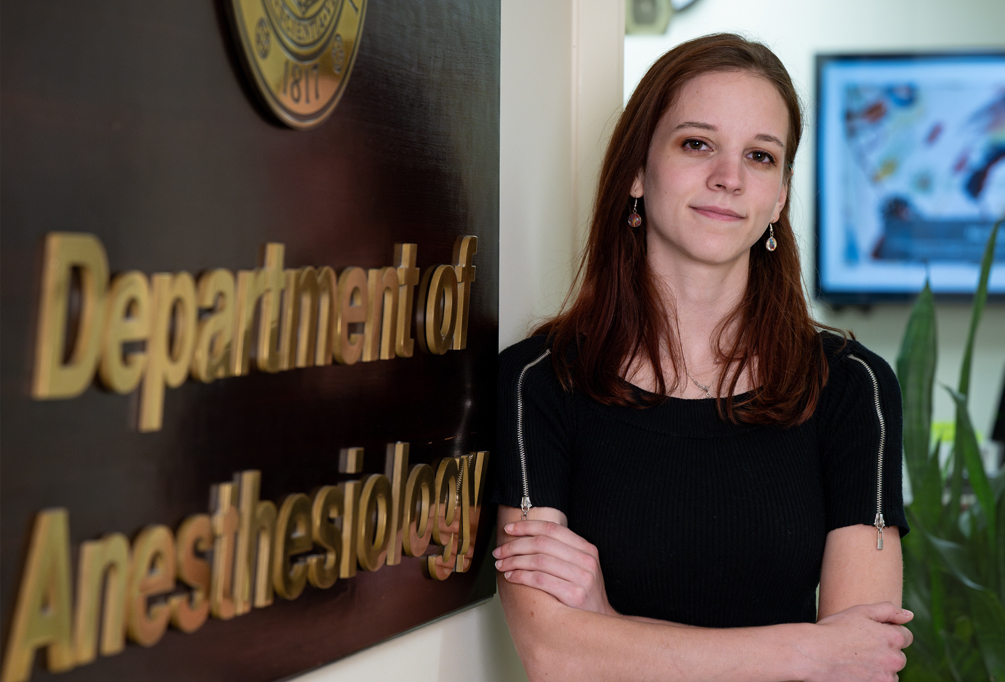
(910, 173)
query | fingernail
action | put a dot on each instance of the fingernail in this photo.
(498, 564)
(495, 552)
(508, 528)
(910, 613)
(507, 574)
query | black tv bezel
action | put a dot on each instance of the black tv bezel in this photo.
(841, 298)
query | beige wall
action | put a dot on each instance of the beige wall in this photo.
(796, 30)
(560, 88)
(560, 61)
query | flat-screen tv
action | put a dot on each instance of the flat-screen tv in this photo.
(910, 174)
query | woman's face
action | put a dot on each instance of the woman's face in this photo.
(713, 179)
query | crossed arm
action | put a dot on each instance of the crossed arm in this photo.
(564, 628)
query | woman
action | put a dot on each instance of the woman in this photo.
(683, 454)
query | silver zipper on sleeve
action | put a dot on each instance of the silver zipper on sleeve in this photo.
(525, 504)
(880, 522)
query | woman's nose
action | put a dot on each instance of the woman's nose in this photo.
(726, 174)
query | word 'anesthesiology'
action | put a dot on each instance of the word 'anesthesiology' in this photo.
(238, 556)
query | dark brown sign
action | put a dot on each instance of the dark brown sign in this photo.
(247, 371)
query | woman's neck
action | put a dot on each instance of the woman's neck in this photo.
(701, 296)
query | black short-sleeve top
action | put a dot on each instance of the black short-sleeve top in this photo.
(699, 520)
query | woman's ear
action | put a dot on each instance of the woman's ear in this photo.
(638, 185)
(780, 204)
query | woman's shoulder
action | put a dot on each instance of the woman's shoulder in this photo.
(850, 361)
(521, 357)
(529, 348)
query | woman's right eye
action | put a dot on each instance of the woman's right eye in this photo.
(694, 145)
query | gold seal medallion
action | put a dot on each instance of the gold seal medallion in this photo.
(300, 53)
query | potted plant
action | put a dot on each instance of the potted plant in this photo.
(954, 557)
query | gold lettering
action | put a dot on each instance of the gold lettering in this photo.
(418, 507)
(473, 486)
(464, 252)
(327, 295)
(289, 322)
(268, 358)
(350, 462)
(464, 504)
(211, 357)
(251, 284)
(252, 584)
(42, 613)
(153, 574)
(350, 493)
(195, 538)
(168, 355)
(352, 305)
(127, 320)
(307, 301)
(104, 564)
(63, 252)
(373, 531)
(225, 522)
(445, 526)
(396, 469)
(279, 318)
(438, 313)
(381, 314)
(323, 570)
(293, 536)
(408, 277)
(255, 551)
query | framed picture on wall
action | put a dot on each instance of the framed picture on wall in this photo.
(910, 173)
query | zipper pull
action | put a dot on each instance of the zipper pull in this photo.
(880, 524)
(525, 506)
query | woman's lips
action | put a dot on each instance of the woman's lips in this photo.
(716, 213)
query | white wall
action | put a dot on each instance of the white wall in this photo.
(560, 89)
(561, 93)
(796, 30)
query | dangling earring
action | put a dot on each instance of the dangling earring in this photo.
(771, 244)
(634, 219)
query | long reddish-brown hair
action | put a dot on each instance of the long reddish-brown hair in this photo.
(619, 318)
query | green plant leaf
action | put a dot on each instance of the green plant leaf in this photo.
(937, 582)
(952, 510)
(989, 620)
(916, 373)
(964, 659)
(998, 484)
(927, 491)
(957, 561)
(1000, 540)
(923, 668)
(966, 445)
(980, 298)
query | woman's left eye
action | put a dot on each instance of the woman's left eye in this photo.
(763, 157)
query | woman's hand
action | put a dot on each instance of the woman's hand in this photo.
(861, 643)
(548, 556)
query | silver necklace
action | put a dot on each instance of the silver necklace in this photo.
(708, 393)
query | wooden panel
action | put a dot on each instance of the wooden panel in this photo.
(136, 122)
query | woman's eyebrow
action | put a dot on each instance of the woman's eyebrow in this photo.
(695, 124)
(764, 137)
(770, 138)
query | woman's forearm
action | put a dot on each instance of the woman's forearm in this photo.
(557, 642)
(564, 628)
